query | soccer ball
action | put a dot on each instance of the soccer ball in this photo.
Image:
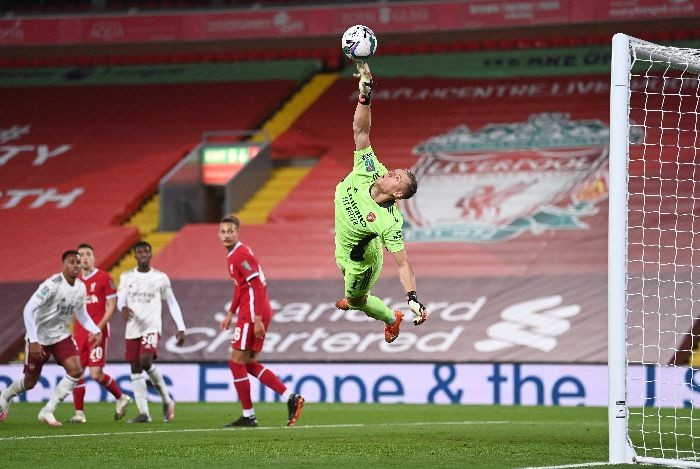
(359, 42)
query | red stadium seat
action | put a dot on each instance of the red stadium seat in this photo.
(455, 47)
(85, 60)
(438, 48)
(69, 61)
(662, 36)
(318, 53)
(332, 61)
(209, 57)
(240, 56)
(161, 58)
(592, 40)
(575, 41)
(191, 57)
(270, 54)
(224, 56)
(472, 46)
(558, 41)
(507, 44)
(422, 48)
(681, 35)
(100, 60)
(390, 49)
(288, 54)
(489, 44)
(406, 49)
(144, 59)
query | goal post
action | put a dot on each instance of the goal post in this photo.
(617, 248)
(653, 254)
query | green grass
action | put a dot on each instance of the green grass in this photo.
(339, 435)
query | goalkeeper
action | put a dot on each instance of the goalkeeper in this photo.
(367, 218)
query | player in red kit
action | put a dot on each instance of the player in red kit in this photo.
(101, 305)
(252, 304)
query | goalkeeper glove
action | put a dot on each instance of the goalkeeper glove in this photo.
(365, 85)
(421, 314)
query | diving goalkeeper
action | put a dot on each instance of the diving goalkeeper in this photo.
(367, 218)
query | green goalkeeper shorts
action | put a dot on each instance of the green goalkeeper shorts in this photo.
(360, 284)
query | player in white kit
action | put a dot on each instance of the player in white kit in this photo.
(47, 317)
(140, 299)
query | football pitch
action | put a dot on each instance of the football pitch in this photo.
(341, 435)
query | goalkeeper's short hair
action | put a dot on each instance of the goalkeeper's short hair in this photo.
(413, 188)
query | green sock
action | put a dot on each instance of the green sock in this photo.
(375, 308)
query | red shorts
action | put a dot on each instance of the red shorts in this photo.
(92, 356)
(61, 350)
(244, 336)
(145, 345)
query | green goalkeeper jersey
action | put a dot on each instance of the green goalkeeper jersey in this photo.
(361, 225)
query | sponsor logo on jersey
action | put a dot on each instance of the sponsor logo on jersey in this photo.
(246, 265)
(351, 208)
(369, 163)
(498, 182)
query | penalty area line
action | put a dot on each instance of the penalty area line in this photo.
(204, 430)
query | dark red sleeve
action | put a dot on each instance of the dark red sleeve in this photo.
(236, 298)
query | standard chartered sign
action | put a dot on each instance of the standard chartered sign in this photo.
(339, 332)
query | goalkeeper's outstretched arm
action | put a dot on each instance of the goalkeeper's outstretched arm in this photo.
(362, 120)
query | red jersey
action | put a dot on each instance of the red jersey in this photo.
(249, 288)
(100, 287)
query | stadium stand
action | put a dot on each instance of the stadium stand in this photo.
(296, 245)
(78, 159)
(427, 90)
(324, 131)
(331, 57)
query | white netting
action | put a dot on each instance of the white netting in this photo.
(663, 255)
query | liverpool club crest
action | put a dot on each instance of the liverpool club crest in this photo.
(493, 184)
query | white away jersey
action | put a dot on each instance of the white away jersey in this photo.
(144, 294)
(57, 301)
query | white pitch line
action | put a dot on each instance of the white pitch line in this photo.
(565, 466)
(201, 430)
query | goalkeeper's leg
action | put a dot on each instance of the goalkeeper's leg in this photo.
(357, 288)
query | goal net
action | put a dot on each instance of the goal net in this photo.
(654, 254)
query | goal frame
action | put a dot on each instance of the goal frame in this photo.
(620, 447)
